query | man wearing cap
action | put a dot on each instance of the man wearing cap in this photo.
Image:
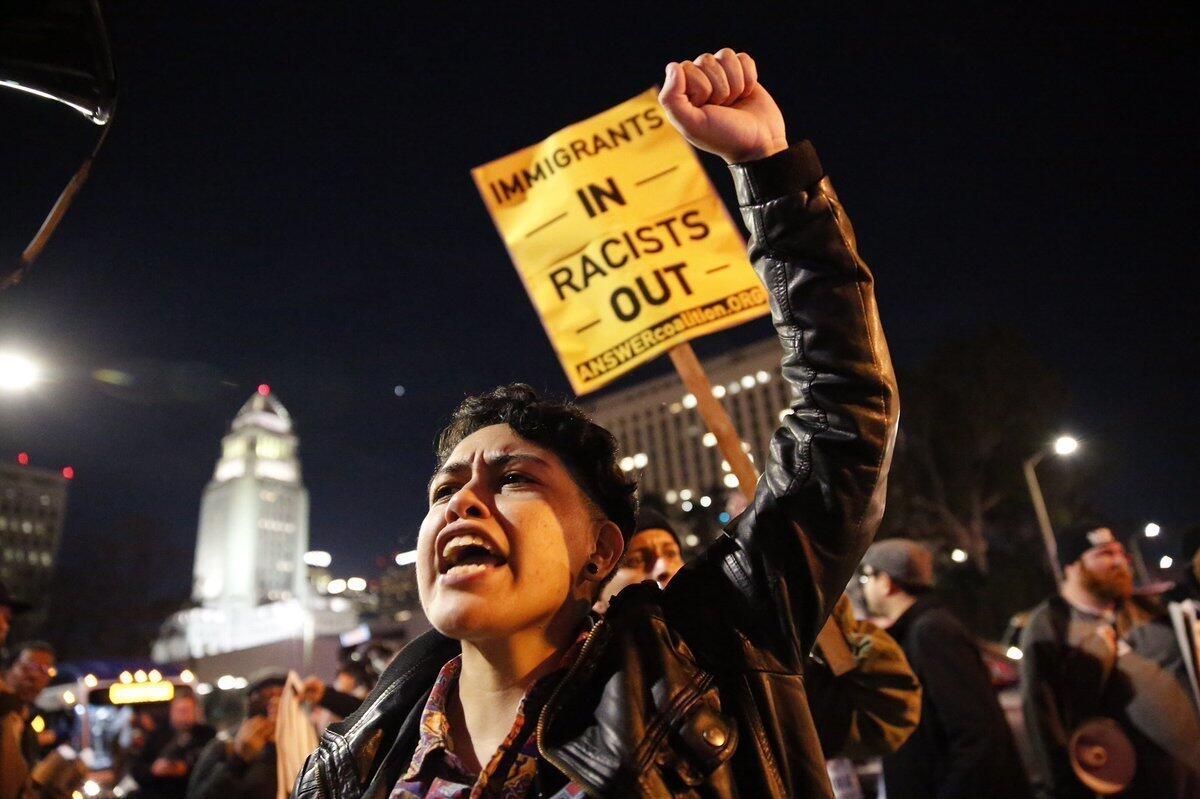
(962, 746)
(1092, 650)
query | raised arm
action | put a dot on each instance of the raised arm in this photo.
(821, 495)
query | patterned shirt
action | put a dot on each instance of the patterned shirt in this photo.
(436, 772)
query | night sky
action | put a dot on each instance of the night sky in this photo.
(285, 199)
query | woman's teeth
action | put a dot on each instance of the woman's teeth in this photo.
(465, 569)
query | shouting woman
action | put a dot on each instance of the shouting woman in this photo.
(696, 689)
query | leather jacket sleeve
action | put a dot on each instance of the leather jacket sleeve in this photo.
(820, 498)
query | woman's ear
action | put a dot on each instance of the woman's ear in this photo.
(610, 546)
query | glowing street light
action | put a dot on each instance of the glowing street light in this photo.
(1063, 446)
(1152, 530)
(959, 556)
(1165, 562)
(17, 373)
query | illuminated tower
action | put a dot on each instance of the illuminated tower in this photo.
(253, 529)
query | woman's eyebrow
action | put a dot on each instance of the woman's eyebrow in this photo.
(508, 458)
(499, 460)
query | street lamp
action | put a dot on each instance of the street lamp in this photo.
(1063, 446)
(17, 373)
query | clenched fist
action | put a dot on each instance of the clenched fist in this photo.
(719, 106)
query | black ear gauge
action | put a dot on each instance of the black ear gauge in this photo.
(593, 568)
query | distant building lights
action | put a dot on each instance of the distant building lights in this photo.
(204, 688)
(709, 440)
(406, 558)
(718, 391)
(186, 676)
(640, 460)
(356, 584)
(334, 587)
(155, 675)
(672, 496)
(763, 376)
(734, 388)
(68, 472)
(1165, 562)
(705, 501)
(23, 458)
(731, 481)
(958, 556)
(626, 464)
(1015, 653)
(90, 681)
(126, 677)
(689, 401)
(748, 381)
(687, 506)
(1152, 530)
(691, 540)
(685, 493)
(139, 676)
(723, 517)
(318, 559)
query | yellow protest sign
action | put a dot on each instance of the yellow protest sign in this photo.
(621, 241)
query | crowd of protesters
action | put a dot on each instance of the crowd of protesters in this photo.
(160, 755)
(574, 652)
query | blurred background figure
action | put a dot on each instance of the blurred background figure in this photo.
(963, 746)
(243, 766)
(167, 756)
(1095, 650)
(652, 554)
(334, 701)
(26, 674)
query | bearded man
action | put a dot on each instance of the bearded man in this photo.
(1094, 650)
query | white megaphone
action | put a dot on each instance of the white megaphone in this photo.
(1102, 756)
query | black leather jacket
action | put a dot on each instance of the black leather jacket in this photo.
(698, 690)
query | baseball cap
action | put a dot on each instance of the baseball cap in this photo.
(904, 560)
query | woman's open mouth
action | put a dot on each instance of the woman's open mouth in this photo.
(466, 555)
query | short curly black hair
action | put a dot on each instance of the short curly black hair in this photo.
(587, 450)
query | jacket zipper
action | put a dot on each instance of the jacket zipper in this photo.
(541, 724)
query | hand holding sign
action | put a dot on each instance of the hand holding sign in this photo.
(719, 106)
